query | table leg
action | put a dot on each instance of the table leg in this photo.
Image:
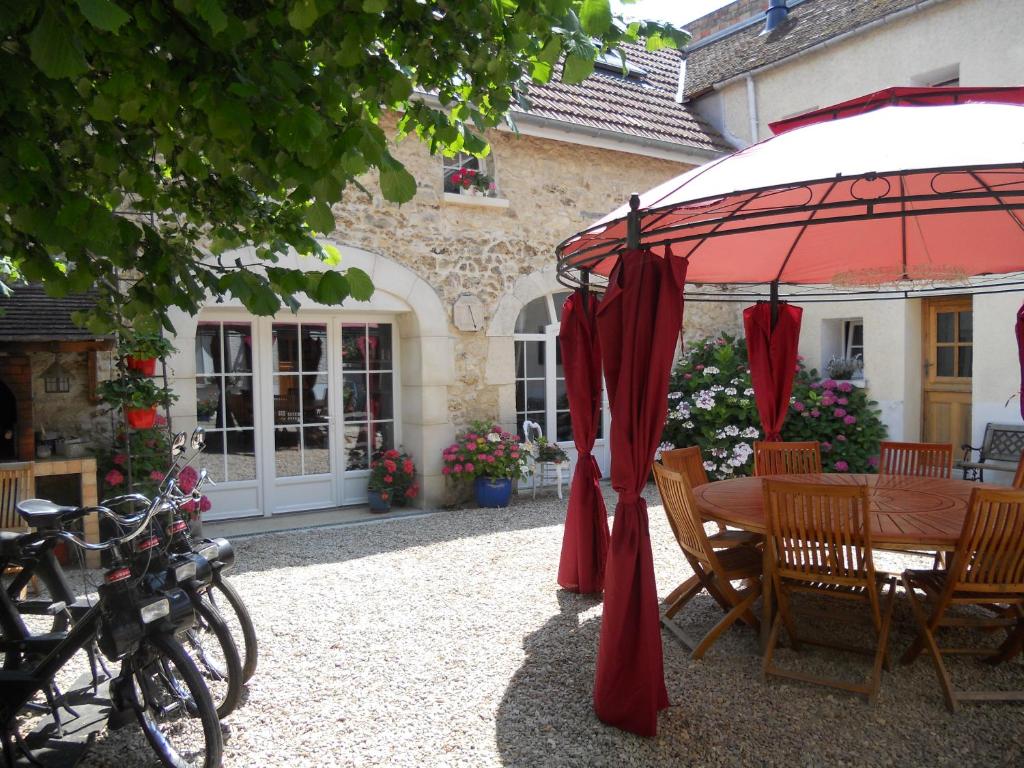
(767, 614)
(91, 524)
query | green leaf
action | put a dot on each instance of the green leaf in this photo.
(596, 16)
(359, 284)
(375, 6)
(328, 288)
(333, 255)
(303, 14)
(319, 217)
(103, 14)
(54, 48)
(212, 13)
(396, 183)
(577, 68)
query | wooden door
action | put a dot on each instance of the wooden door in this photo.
(948, 362)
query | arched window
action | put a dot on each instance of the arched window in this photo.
(466, 174)
(540, 379)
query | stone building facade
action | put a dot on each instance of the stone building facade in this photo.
(465, 307)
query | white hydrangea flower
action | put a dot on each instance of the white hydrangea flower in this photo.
(666, 446)
(493, 437)
(710, 466)
(731, 430)
(688, 424)
(750, 432)
(674, 395)
(717, 388)
(726, 469)
(731, 391)
(749, 392)
(711, 371)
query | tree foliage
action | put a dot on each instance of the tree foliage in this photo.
(150, 137)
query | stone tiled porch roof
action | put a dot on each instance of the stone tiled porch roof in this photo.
(807, 24)
(30, 315)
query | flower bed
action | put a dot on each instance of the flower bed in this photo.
(711, 405)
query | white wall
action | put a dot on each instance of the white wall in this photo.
(982, 40)
(892, 354)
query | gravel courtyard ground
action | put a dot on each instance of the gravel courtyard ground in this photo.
(444, 640)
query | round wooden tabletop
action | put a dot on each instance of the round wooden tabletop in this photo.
(907, 512)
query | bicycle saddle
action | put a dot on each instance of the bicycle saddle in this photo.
(40, 513)
(9, 546)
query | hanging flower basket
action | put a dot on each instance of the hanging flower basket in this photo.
(141, 418)
(144, 365)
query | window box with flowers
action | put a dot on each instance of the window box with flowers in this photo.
(469, 180)
(392, 481)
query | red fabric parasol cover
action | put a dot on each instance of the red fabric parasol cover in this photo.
(1020, 354)
(772, 354)
(585, 541)
(638, 322)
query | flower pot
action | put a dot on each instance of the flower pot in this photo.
(493, 492)
(377, 504)
(144, 365)
(141, 418)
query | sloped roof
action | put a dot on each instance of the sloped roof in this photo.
(641, 106)
(30, 315)
(807, 24)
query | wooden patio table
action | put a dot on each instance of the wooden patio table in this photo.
(907, 513)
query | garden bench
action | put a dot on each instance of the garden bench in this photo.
(1000, 450)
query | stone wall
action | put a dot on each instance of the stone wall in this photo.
(552, 189)
(70, 413)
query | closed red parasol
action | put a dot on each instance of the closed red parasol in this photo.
(585, 540)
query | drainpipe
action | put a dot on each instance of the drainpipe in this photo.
(752, 108)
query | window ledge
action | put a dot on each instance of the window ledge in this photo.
(453, 198)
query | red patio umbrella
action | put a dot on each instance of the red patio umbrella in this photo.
(585, 540)
(772, 350)
(895, 196)
(638, 322)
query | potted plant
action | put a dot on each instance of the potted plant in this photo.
(138, 396)
(844, 368)
(549, 452)
(474, 182)
(141, 351)
(392, 480)
(489, 455)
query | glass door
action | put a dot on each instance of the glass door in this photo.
(367, 402)
(300, 420)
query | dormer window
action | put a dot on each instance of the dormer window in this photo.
(609, 61)
(466, 174)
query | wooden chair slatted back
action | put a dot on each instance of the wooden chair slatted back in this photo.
(772, 458)
(681, 509)
(688, 462)
(916, 459)
(15, 485)
(819, 533)
(990, 553)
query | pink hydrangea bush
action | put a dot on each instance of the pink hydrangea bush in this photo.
(484, 450)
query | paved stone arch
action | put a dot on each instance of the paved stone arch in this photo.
(500, 370)
(426, 354)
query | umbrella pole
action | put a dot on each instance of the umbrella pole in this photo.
(633, 223)
(773, 300)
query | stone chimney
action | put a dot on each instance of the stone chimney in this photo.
(724, 17)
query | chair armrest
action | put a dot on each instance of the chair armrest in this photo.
(967, 449)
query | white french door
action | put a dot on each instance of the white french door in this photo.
(295, 408)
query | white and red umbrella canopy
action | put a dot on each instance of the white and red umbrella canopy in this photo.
(906, 186)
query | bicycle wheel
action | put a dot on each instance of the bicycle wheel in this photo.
(229, 604)
(174, 707)
(210, 645)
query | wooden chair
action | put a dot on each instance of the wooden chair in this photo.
(16, 484)
(916, 459)
(689, 462)
(819, 541)
(714, 569)
(773, 458)
(1018, 476)
(987, 570)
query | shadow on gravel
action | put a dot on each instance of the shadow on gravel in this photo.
(723, 714)
(351, 542)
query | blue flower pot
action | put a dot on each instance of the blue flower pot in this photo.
(377, 504)
(492, 492)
